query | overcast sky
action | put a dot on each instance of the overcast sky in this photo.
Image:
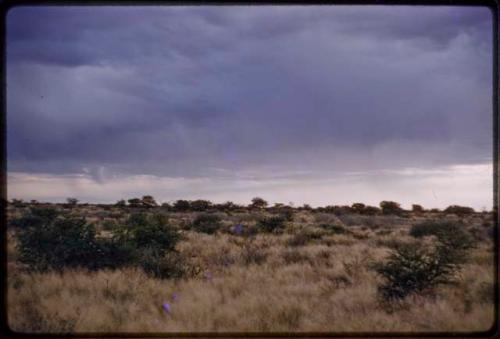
(304, 104)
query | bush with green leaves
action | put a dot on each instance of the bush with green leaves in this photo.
(443, 229)
(335, 229)
(273, 224)
(459, 210)
(415, 268)
(162, 265)
(48, 240)
(207, 223)
(391, 207)
(143, 231)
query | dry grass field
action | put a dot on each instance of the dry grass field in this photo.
(304, 278)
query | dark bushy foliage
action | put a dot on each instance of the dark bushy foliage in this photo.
(47, 241)
(207, 223)
(200, 205)
(287, 214)
(161, 265)
(413, 268)
(391, 207)
(147, 231)
(335, 229)
(272, 224)
(459, 210)
(258, 203)
(446, 232)
(181, 206)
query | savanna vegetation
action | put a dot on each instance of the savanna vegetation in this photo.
(196, 266)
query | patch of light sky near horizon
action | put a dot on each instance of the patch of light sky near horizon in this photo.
(469, 185)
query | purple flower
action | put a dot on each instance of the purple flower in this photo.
(166, 307)
(208, 276)
(175, 297)
(238, 229)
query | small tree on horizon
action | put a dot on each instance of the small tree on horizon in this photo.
(148, 201)
(71, 202)
(391, 207)
(181, 205)
(259, 203)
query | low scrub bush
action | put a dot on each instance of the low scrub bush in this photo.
(143, 231)
(414, 268)
(161, 265)
(459, 210)
(445, 231)
(51, 241)
(207, 223)
(48, 241)
(335, 229)
(391, 207)
(272, 224)
(303, 237)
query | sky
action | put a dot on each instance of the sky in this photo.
(296, 104)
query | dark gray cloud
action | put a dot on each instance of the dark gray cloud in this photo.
(190, 91)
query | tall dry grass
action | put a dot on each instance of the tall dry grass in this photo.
(258, 284)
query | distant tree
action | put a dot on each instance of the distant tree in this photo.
(338, 210)
(258, 202)
(121, 203)
(17, 202)
(417, 208)
(200, 205)
(33, 202)
(227, 206)
(358, 207)
(391, 207)
(166, 206)
(459, 210)
(371, 210)
(135, 202)
(71, 202)
(435, 210)
(182, 205)
(148, 201)
(306, 207)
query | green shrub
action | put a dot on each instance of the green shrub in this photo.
(303, 237)
(287, 214)
(272, 224)
(391, 207)
(162, 265)
(258, 203)
(148, 231)
(47, 241)
(459, 210)
(181, 206)
(109, 225)
(335, 229)
(200, 205)
(414, 268)
(446, 232)
(206, 223)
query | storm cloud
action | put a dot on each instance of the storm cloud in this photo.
(223, 93)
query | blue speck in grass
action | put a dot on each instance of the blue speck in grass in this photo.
(208, 276)
(238, 229)
(166, 307)
(175, 297)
